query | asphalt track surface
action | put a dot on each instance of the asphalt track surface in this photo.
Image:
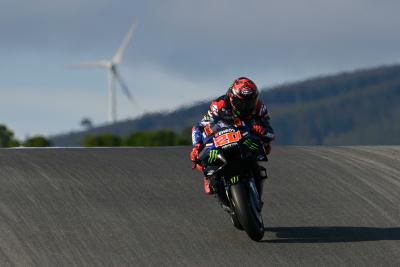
(324, 206)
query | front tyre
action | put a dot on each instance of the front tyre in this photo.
(235, 222)
(245, 207)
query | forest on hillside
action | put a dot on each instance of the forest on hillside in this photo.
(360, 107)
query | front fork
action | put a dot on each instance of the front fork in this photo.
(261, 176)
(256, 185)
(255, 188)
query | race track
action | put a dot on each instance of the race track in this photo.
(324, 206)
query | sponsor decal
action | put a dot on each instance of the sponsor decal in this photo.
(194, 141)
(228, 146)
(263, 111)
(270, 135)
(215, 109)
(225, 131)
(213, 156)
(227, 138)
(235, 179)
(208, 130)
(251, 145)
(222, 124)
(237, 122)
(211, 172)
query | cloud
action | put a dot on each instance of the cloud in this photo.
(184, 50)
(45, 110)
(31, 111)
(210, 37)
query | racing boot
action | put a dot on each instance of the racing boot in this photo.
(212, 187)
(209, 189)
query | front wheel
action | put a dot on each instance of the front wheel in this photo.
(246, 209)
(235, 222)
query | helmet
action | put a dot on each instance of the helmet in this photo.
(243, 95)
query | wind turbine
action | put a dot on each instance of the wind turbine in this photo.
(113, 74)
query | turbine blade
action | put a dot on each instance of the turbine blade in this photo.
(91, 65)
(125, 88)
(122, 83)
(117, 59)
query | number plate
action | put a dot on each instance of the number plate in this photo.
(227, 138)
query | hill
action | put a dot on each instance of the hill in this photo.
(357, 107)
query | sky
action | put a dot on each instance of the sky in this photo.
(182, 52)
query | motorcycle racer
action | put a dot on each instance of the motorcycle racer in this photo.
(241, 102)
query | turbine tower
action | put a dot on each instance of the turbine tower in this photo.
(113, 74)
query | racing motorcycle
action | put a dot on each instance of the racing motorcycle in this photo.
(229, 161)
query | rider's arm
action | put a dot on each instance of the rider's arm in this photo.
(269, 131)
(263, 119)
(213, 113)
(197, 131)
(197, 138)
(198, 128)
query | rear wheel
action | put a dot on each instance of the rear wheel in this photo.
(245, 207)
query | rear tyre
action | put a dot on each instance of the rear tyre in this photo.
(246, 211)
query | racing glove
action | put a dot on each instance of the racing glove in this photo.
(195, 153)
(266, 135)
(258, 129)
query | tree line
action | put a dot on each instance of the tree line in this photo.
(144, 138)
(7, 139)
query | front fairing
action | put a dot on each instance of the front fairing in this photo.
(249, 148)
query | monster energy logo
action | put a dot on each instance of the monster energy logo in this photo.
(250, 144)
(235, 179)
(213, 156)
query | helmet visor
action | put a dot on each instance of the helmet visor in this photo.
(245, 106)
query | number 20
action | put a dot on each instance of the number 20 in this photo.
(227, 139)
